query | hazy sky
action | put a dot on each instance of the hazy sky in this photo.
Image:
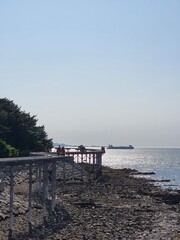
(95, 71)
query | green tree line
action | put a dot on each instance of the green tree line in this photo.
(19, 133)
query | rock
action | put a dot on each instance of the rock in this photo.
(2, 186)
(116, 206)
(3, 216)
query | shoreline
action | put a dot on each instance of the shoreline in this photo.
(116, 206)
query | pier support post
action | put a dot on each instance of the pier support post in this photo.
(30, 200)
(11, 203)
(101, 160)
(2, 181)
(53, 185)
(45, 189)
(73, 166)
(39, 178)
(82, 158)
(64, 177)
(44, 195)
(77, 158)
(94, 169)
(45, 181)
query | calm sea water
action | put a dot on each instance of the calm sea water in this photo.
(165, 162)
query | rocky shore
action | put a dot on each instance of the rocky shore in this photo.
(116, 206)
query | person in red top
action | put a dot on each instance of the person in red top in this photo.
(63, 151)
(59, 150)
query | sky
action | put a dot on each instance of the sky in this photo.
(95, 72)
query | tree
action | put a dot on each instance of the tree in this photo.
(19, 129)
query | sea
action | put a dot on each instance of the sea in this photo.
(164, 162)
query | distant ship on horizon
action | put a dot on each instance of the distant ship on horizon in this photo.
(120, 147)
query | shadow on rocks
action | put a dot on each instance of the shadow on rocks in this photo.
(104, 178)
(53, 223)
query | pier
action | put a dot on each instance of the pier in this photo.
(89, 159)
(42, 173)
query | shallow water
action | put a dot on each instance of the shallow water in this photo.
(165, 162)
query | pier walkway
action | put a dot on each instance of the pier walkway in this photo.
(43, 173)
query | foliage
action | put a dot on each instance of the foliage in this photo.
(4, 150)
(19, 129)
(7, 150)
(13, 152)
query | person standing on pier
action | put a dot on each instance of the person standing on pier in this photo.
(59, 150)
(63, 151)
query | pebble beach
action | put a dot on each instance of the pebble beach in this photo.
(115, 206)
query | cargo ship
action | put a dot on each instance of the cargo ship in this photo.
(120, 147)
